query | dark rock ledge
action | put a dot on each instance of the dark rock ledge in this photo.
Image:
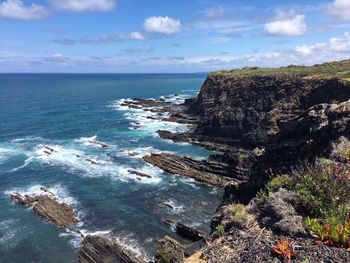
(47, 206)
(206, 172)
(98, 249)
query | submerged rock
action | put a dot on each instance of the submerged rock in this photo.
(97, 249)
(48, 207)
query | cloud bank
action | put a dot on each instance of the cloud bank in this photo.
(15, 9)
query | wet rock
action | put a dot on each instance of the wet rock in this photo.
(210, 173)
(98, 249)
(48, 207)
(280, 214)
(169, 251)
(188, 232)
(139, 173)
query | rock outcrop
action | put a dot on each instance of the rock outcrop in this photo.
(48, 207)
(169, 250)
(98, 249)
(206, 172)
(280, 215)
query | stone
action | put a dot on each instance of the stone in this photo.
(280, 214)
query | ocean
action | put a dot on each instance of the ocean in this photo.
(65, 112)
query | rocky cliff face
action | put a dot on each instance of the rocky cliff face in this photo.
(249, 108)
(271, 122)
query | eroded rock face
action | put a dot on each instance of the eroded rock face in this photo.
(279, 214)
(248, 108)
(210, 173)
(48, 207)
(97, 249)
(169, 251)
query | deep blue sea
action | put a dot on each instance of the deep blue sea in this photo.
(65, 112)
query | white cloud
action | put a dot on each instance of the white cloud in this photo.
(336, 47)
(162, 25)
(15, 9)
(295, 26)
(99, 40)
(136, 36)
(340, 9)
(84, 5)
(215, 12)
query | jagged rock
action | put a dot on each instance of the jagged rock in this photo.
(48, 207)
(194, 247)
(97, 249)
(169, 251)
(249, 108)
(210, 173)
(340, 150)
(139, 173)
(280, 215)
(189, 233)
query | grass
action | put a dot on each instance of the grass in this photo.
(339, 69)
(239, 215)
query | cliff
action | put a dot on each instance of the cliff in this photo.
(268, 124)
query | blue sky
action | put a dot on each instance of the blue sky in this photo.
(169, 36)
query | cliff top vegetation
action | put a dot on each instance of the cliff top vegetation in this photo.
(338, 69)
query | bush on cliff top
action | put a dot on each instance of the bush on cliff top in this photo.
(340, 69)
(323, 189)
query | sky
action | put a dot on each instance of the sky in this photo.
(166, 36)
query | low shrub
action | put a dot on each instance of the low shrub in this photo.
(273, 186)
(332, 234)
(324, 190)
(239, 215)
(220, 230)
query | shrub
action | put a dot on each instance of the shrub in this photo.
(324, 190)
(273, 186)
(333, 234)
(284, 249)
(220, 230)
(239, 215)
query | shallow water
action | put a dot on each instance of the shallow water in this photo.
(65, 112)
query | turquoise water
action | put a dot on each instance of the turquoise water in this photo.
(65, 112)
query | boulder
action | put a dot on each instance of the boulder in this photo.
(280, 215)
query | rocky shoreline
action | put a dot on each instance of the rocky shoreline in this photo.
(262, 127)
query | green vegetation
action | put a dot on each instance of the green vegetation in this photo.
(339, 69)
(324, 190)
(333, 234)
(239, 215)
(220, 230)
(273, 186)
(163, 256)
